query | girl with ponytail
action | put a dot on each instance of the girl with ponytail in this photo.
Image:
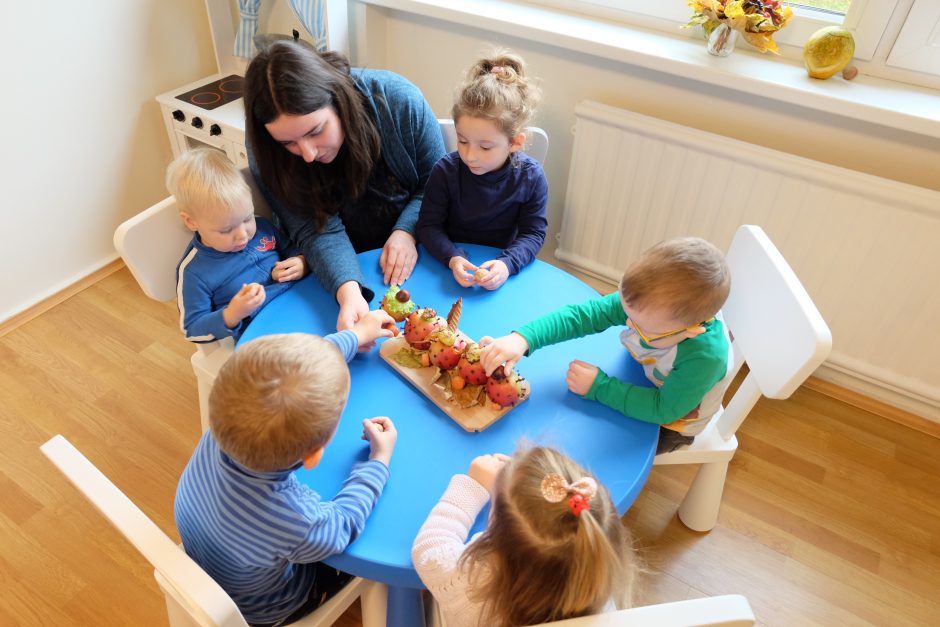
(554, 548)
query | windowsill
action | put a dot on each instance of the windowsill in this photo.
(878, 101)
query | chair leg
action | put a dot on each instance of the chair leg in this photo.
(204, 388)
(374, 602)
(434, 618)
(699, 508)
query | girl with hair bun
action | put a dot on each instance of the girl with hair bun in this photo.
(554, 548)
(488, 191)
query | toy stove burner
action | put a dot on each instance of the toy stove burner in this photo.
(216, 93)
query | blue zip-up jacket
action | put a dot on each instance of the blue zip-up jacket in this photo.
(207, 280)
(260, 534)
(411, 144)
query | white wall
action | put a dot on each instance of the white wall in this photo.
(83, 145)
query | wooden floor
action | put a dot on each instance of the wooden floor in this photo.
(831, 515)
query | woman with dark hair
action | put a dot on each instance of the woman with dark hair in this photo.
(342, 156)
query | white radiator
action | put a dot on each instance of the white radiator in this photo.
(866, 248)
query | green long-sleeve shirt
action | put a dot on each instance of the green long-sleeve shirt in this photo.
(687, 376)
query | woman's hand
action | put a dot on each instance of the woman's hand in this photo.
(463, 270)
(352, 308)
(399, 256)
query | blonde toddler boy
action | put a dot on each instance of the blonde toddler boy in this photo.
(669, 301)
(235, 261)
(241, 512)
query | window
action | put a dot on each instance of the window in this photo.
(894, 39)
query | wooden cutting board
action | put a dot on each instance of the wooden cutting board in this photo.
(476, 418)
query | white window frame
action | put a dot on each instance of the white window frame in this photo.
(877, 26)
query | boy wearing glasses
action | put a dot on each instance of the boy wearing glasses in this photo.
(671, 296)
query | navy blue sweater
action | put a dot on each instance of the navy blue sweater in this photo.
(505, 208)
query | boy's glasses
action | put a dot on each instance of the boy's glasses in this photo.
(649, 339)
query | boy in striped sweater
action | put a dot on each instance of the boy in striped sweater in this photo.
(240, 511)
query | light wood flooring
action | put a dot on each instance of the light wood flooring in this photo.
(831, 515)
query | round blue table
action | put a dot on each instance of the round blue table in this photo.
(431, 447)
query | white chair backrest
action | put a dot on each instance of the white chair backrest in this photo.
(203, 599)
(151, 244)
(775, 324)
(730, 610)
(777, 329)
(536, 140)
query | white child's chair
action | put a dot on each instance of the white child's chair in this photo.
(783, 338)
(536, 140)
(730, 610)
(193, 598)
(151, 244)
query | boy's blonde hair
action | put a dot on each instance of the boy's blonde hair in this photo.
(537, 561)
(686, 276)
(278, 398)
(496, 88)
(204, 178)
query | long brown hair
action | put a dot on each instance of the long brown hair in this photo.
(289, 77)
(542, 562)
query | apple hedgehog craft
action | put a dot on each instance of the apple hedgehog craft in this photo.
(397, 303)
(444, 365)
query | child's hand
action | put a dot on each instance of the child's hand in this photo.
(496, 274)
(289, 269)
(372, 326)
(507, 349)
(243, 304)
(381, 435)
(463, 271)
(485, 468)
(580, 376)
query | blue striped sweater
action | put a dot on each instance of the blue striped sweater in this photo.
(259, 534)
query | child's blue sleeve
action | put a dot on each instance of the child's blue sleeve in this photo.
(531, 227)
(346, 341)
(200, 323)
(335, 524)
(432, 229)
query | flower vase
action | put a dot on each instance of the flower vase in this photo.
(721, 40)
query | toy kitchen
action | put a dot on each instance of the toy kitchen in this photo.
(210, 112)
(207, 113)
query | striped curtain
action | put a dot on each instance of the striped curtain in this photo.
(247, 27)
(312, 14)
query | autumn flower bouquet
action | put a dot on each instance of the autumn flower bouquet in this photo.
(755, 20)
